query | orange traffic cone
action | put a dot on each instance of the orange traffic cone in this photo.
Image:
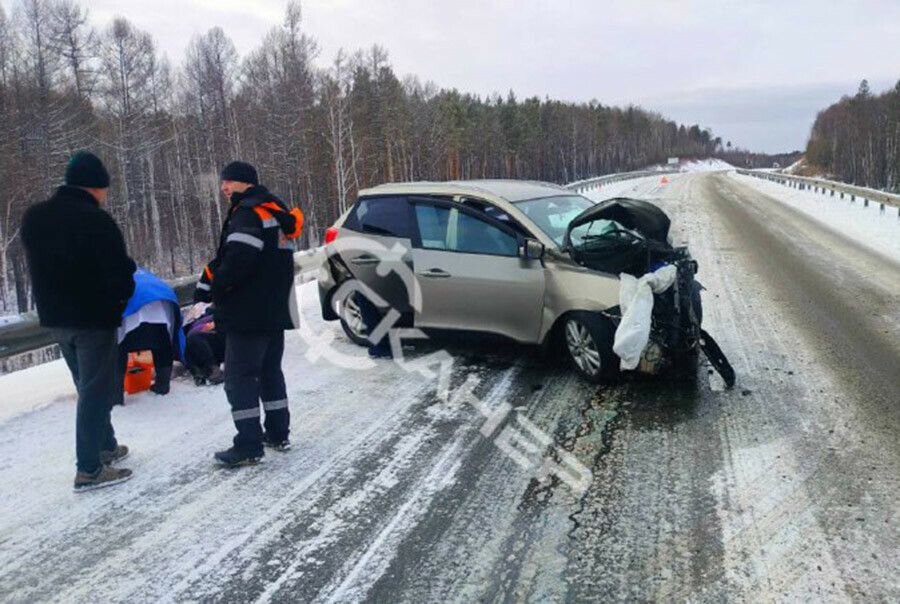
(664, 180)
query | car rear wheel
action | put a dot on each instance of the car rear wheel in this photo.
(352, 320)
(588, 340)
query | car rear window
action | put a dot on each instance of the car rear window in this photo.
(387, 216)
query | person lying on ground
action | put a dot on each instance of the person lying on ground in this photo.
(204, 350)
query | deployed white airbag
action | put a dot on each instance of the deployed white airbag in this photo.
(636, 302)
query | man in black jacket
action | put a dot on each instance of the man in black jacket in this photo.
(251, 282)
(82, 279)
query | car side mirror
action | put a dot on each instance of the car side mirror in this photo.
(532, 249)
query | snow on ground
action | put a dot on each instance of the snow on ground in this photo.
(706, 165)
(10, 320)
(795, 167)
(35, 387)
(869, 226)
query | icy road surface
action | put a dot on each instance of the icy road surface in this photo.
(785, 488)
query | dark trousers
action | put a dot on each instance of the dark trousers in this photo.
(371, 317)
(146, 336)
(91, 357)
(203, 350)
(253, 374)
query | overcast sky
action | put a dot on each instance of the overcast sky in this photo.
(755, 72)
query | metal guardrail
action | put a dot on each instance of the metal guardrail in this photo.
(26, 334)
(829, 187)
(583, 186)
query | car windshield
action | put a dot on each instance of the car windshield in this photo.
(553, 214)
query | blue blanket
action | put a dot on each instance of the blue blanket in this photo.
(150, 288)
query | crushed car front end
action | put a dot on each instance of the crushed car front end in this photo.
(631, 237)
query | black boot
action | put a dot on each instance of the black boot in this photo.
(233, 458)
(278, 444)
(199, 375)
(215, 376)
(161, 383)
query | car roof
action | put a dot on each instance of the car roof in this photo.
(509, 190)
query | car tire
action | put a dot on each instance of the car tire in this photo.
(351, 320)
(588, 340)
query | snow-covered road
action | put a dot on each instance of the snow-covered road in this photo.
(784, 488)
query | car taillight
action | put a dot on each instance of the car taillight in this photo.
(331, 234)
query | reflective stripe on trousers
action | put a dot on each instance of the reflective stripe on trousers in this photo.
(245, 414)
(275, 405)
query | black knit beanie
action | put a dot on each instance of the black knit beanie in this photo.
(86, 170)
(240, 172)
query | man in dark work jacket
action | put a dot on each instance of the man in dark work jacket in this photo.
(82, 278)
(251, 282)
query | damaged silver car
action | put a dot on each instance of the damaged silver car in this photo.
(529, 261)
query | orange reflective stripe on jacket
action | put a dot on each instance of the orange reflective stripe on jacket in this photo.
(262, 212)
(208, 273)
(298, 223)
(265, 212)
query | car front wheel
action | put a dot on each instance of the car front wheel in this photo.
(588, 340)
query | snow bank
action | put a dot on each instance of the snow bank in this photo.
(32, 388)
(795, 167)
(11, 319)
(869, 226)
(706, 165)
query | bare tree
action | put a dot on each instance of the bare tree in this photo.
(76, 42)
(335, 85)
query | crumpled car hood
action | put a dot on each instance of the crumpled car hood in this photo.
(633, 214)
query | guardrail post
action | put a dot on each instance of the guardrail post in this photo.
(852, 197)
(865, 203)
(832, 192)
(881, 211)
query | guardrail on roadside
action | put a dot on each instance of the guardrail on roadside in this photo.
(829, 187)
(583, 186)
(26, 334)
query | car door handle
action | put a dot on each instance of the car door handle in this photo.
(365, 260)
(435, 273)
